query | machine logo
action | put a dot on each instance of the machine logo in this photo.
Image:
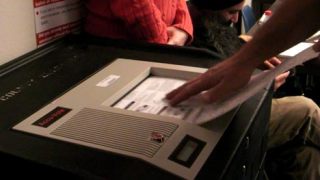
(51, 117)
(157, 137)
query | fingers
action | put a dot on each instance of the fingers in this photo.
(283, 76)
(176, 36)
(219, 82)
(171, 42)
(212, 95)
(272, 62)
(173, 93)
(176, 40)
(170, 32)
(269, 65)
(275, 61)
(191, 88)
(280, 80)
(185, 91)
(245, 37)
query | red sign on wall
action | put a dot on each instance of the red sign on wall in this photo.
(56, 18)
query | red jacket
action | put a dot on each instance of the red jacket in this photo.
(143, 20)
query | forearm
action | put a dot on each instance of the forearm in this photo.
(293, 21)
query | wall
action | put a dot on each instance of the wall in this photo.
(28, 24)
(17, 30)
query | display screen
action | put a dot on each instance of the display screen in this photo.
(187, 151)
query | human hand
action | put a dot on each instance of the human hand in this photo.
(219, 82)
(176, 36)
(270, 63)
(280, 80)
(245, 37)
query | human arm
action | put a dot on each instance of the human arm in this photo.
(280, 32)
(300, 20)
(142, 19)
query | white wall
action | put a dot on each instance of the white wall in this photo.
(17, 30)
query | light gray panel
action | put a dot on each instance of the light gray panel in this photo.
(118, 131)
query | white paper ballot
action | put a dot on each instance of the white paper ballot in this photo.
(317, 34)
(256, 83)
(295, 49)
(148, 97)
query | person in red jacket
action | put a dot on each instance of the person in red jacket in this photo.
(154, 21)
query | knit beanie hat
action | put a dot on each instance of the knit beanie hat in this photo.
(214, 5)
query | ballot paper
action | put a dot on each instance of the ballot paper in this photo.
(295, 49)
(257, 82)
(149, 96)
(315, 35)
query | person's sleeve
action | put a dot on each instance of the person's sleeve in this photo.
(142, 19)
(183, 20)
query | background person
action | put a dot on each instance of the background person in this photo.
(154, 21)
